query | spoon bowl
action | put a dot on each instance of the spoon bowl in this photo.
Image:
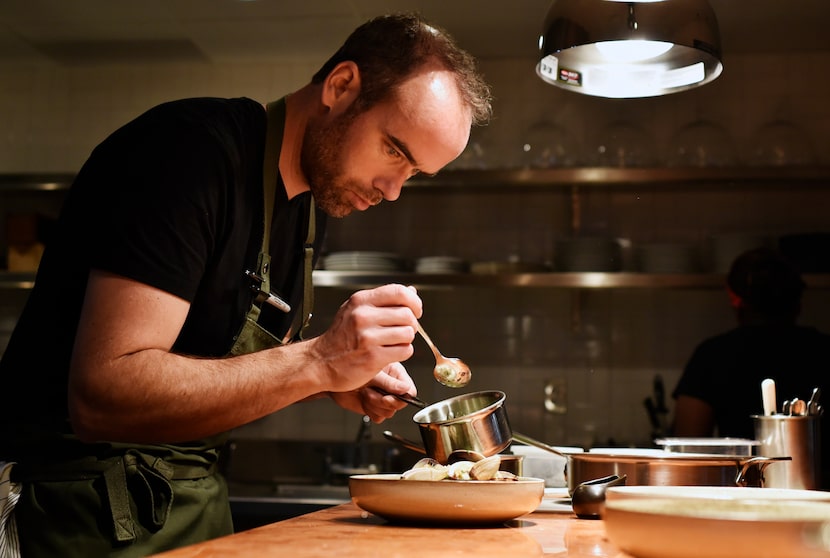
(449, 371)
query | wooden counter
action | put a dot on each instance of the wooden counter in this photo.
(348, 531)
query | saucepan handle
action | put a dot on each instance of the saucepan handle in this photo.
(761, 463)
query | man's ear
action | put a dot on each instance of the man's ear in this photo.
(341, 87)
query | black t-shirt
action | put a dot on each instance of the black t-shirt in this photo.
(726, 371)
(173, 199)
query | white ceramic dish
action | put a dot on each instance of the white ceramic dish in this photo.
(615, 493)
(445, 502)
(556, 500)
(543, 464)
(723, 528)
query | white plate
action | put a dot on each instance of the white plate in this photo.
(631, 452)
(447, 501)
(714, 493)
(556, 500)
(732, 528)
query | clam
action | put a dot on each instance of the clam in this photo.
(486, 469)
(428, 462)
(460, 470)
(425, 473)
(505, 476)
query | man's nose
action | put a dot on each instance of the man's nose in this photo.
(392, 185)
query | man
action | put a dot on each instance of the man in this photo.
(162, 316)
(720, 388)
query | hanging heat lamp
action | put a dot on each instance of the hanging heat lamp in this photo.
(628, 49)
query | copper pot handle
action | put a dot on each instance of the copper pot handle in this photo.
(762, 462)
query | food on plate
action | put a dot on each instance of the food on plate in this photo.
(484, 469)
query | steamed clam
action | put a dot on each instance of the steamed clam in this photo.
(486, 469)
(425, 473)
(460, 470)
(482, 469)
(426, 469)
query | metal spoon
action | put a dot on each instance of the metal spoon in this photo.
(406, 398)
(449, 371)
(812, 405)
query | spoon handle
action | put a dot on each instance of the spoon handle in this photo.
(435, 351)
(409, 399)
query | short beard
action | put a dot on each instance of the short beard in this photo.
(321, 161)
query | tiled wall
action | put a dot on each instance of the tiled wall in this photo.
(605, 346)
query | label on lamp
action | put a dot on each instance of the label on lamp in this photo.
(570, 77)
(549, 69)
(548, 66)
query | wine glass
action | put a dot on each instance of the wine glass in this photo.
(624, 144)
(781, 143)
(702, 143)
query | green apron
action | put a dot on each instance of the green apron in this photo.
(128, 501)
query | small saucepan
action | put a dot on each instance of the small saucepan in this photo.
(474, 421)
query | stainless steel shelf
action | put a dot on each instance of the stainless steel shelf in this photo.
(35, 182)
(16, 280)
(568, 280)
(714, 177)
(562, 280)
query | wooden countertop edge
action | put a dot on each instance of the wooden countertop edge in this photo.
(346, 530)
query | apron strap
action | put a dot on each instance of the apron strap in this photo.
(270, 166)
(302, 318)
(273, 143)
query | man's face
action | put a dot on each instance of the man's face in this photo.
(354, 160)
(323, 161)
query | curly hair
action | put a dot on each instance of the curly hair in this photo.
(389, 48)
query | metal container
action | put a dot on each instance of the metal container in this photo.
(474, 421)
(797, 436)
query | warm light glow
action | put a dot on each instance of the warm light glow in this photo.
(632, 51)
(637, 80)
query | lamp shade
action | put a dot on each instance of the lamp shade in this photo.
(625, 49)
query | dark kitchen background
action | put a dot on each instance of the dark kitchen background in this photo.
(677, 184)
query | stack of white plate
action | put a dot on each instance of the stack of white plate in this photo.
(666, 257)
(441, 264)
(365, 261)
(588, 254)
